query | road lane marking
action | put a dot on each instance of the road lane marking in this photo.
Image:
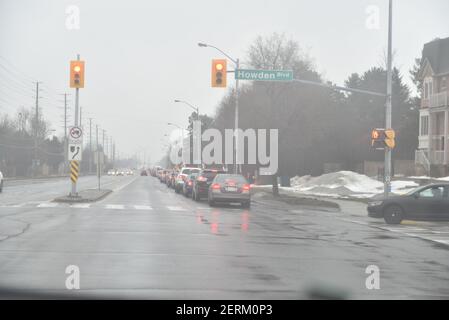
(47, 205)
(175, 208)
(115, 206)
(80, 206)
(140, 207)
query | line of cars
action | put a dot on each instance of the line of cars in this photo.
(217, 186)
(120, 172)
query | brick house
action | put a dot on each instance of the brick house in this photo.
(433, 150)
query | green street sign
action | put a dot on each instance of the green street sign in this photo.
(264, 75)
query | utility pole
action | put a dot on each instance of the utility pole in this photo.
(102, 145)
(65, 128)
(236, 124)
(36, 130)
(388, 107)
(90, 145)
(98, 158)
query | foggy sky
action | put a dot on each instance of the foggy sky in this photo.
(141, 55)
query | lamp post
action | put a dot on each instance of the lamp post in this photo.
(236, 117)
(199, 146)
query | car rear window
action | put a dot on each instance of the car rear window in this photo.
(231, 178)
(209, 175)
(186, 171)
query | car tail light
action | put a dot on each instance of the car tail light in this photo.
(246, 187)
(189, 183)
(202, 179)
(216, 186)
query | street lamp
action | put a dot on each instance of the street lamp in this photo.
(197, 110)
(236, 117)
(182, 132)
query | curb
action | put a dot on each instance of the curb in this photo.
(81, 199)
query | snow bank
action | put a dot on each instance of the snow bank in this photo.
(344, 184)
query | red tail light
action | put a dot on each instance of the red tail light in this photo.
(189, 183)
(246, 187)
(216, 186)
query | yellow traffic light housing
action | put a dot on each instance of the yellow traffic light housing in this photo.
(76, 74)
(383, 138)
(219, 73)
(390, 135)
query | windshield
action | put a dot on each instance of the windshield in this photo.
(236, 150)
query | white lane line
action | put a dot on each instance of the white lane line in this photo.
(47, 205)
(175, 208)
(115, 206)
(80, 206)
(139, 207)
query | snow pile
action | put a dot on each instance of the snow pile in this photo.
(345, 184)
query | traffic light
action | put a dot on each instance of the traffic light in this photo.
(219, 73)
(383, 138)
(76, 74)
(390, 135)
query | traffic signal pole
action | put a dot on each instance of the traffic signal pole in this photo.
(74, 193)
(387, 165)
(236, 117)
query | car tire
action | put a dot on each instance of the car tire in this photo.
(393, 214)
(211, 203)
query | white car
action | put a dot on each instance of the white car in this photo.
(1, 181)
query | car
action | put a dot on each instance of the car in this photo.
(144, 173)
(229, 188)
(429, 202)
(111, 172)
(181, 177)
(200, 188)
(188, 185)
(1, 181)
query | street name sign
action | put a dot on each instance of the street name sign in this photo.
(264, 75)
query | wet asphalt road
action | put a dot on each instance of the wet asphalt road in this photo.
(145, 241)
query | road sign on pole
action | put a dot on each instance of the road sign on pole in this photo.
(264, 75)
(75, 152)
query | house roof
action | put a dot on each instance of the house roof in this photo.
(436, 53)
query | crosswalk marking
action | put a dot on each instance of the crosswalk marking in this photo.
(115, 206)
(47, 205)
(175, 208)
(140, 207)
(80, 206)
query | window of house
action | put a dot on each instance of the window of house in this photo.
(428, 88)
(443, 83)
(424, 126)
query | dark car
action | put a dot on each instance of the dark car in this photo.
(424, 203)
(202, 182)
(188, 185)
(230, 188)
(144, 173)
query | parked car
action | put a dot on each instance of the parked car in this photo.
(200, 188)
(144, 173)
(182, 176)
(229, 188)
(1, 181)
(172, 179)
(429, 202)
(188, 185)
